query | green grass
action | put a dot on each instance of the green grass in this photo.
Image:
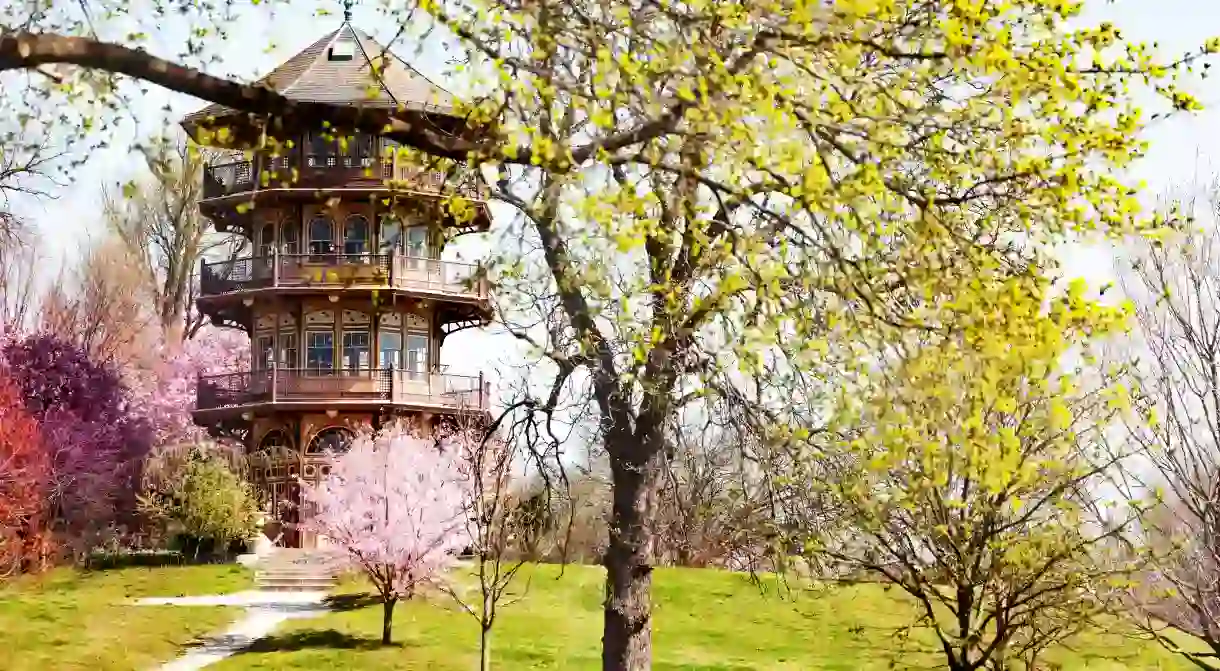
(79, 620)
(705, 621)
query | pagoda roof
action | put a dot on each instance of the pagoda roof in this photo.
(338, 69)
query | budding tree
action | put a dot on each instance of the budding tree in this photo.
(973, 461)
(393, 506)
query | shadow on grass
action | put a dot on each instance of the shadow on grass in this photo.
(343, 602)
(313, 639)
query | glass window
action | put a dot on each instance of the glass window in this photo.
(263, 352)
(358, 145)
(416, 246)
(320, 350)
(290, 237)
(334, 439)
(266, 240)
(356, 236)
(355, 350)
(417, 356)
(390, 236)
(321, 237)
(275, 443)
(417, 241)
(321, 144)
(389, 350)
(288, 350)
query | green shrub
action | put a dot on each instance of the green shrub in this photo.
(207, 505)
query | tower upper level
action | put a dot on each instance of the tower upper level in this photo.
(344, 67)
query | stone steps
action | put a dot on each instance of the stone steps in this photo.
(295, 585)
(293, 570)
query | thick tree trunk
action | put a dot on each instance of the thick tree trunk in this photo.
(627, 629)
(387, 619)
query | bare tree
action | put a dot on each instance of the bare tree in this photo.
(25, 168)
(19, 263)
(101, 305)
(502, 527)
(713, 506)
(1175, 285)
(157, 218)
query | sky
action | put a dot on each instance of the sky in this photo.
(1184, 148)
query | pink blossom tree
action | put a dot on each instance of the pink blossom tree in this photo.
(394, 506)
(165, 391)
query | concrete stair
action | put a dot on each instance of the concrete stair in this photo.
(294, 570)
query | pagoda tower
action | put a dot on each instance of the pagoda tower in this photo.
(343, 293)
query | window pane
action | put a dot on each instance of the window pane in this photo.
(417, 246)
(355, 235)
(263, 352)
(321, 236)
(266, 239)
(320, 350)
(288, 350)
(417, 241)
(290, 234)
(319, 143)
(391, 235)
(356, 350)
(417, 355)
(390, 347)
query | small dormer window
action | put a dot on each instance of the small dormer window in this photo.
(343, 50)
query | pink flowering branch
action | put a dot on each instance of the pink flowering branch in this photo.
(165, 393)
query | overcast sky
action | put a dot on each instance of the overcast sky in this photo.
(1183, 147)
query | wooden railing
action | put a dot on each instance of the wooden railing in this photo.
(231, 390)
(341, 270)
(306, 170)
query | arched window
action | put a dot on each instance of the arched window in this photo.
(321, 238)
(275, 443)
(266, 240)
(333, 440)
(290, 236)
(390, 235)
(355, 237)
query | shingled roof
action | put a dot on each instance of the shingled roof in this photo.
(338, 69)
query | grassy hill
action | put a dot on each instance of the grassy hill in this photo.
(705, 621)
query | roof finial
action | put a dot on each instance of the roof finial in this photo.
(347, 10)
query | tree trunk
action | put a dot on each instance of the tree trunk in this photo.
(485, 647)
(387, 619)
(627, 628)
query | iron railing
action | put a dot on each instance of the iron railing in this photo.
(329, 270)
(297, 169)
(243, 388)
